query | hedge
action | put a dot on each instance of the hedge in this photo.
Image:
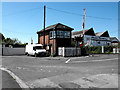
(97, 49)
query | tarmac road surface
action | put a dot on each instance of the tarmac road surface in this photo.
(54, 70)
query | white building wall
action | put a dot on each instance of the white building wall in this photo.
(96, 40)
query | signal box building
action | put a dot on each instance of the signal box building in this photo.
(57, 35)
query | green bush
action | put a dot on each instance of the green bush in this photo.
(97, 49)
(84, 50)
(108, 49)
(47, 54)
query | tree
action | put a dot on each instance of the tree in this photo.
(11, 41)
(1, 38)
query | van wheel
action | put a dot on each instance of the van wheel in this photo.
(27, 54)
(35, 55)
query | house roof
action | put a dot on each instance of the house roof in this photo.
(57, 26)
(103, 34)
(114, 39)
(78, 32)
(86, 32)
(99, 33)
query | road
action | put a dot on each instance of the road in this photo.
(54, 69)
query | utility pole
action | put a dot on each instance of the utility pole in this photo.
(31, 40)
(83, 25)
(44, 26)
(84, 20)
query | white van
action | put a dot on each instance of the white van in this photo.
(35, 49)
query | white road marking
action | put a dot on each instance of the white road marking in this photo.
(95, 60)
(67, 60)
(75, 58)
(18, 80)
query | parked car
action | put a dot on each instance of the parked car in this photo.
(35, 49)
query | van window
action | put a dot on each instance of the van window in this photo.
(37, 47)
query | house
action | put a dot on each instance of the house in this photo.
(57, 35)
(114, 41)
(103, 38)
(90, 38)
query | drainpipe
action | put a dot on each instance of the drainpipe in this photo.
(53, 43)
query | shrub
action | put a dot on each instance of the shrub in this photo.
(97, 49)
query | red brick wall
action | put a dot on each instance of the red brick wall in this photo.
(51, 42)
(41, 39)
(59, 42)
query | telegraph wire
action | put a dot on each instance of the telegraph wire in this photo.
(100, 17)
(24, 11)
(29, 10)
(78, 14)
(64, 11)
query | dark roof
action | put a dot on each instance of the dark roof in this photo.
(114, 39)
(103, 34)
(57, 26)
(86, 32)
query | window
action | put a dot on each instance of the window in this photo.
(52, 34)
(60, 34)
(88, 38)
(98, 42)
(66, 34)
(63, 34)
(37, 47)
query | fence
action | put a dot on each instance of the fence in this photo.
(69, 51)
(116, 50)
(13, 51)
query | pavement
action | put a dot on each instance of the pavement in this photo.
(54, 72)
(8, 82)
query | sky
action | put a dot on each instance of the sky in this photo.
(22, 20)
